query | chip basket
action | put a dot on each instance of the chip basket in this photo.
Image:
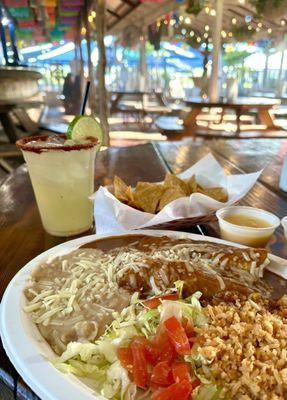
(184, 223)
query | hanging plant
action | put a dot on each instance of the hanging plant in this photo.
(192, 41)
(154, 35)
(241, 33)
(270, 8)
(194, 6)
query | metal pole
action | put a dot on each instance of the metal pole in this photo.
(280, 84)
(13, 41)
(265, 72)
(143, 63)
(3, 38)
(216, 52)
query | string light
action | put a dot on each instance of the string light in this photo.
(206, 28)
(205, 35)
(230, 34)
(93, 13)
(187, 20)
(249, 27)
(257, 29)
(259, 24)
(213, 13)
(248, 18)
(241, 1)
(223, 34)
(234, 20)
(198, 39)
(269, 30)
(191, 33)
(90, 18)
(207, 10)
(83, 30)
(165, 22)
(283, 22)
(172, 22)
(181, 18)
(183, 31)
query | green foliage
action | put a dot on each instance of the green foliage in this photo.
(261, 5)
(234, 57)
(242, 33)
(191, 41)
(194, 6)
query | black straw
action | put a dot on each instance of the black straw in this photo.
(85, 99)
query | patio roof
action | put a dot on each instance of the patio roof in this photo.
(123, 13)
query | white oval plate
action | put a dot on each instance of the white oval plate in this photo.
(29, 352)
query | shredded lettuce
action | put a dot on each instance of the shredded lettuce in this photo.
(170, 308)
(206, 392)
(118, 384)
(179, 287)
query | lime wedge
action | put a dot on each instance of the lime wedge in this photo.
(83, 127)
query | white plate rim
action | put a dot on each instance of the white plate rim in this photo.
(45, 380)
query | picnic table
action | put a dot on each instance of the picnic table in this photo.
(22, 236)
(262, 106)
(138, 102)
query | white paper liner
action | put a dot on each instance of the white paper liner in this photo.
(113, 216)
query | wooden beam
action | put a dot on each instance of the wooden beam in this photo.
(124, 15)
(92, 96)
(114, 14)
(101, 70)
(130, 3)
(214, 89)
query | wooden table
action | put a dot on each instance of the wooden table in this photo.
(137, 103)
(262, 106)
(22, 236)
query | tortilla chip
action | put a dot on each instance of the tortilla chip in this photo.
(170, 194)
(192, 184)
(217, 193)
(175, 182)
(130, 196)
(147, 196)
(120, 189)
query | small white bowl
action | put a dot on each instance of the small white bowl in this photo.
(249, 236)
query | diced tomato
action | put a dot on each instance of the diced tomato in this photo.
(152, 353)
(162, 374)
(160, 336)
(195, 383)
(126, 358)
(154, 302)
(188, 327)
(167, 351)
(162, 342)
(140, 371)
(177, 391)
(181, 371)
(177, 335)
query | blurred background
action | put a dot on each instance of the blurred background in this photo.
(151, 63)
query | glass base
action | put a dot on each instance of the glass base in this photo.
(70, 233)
